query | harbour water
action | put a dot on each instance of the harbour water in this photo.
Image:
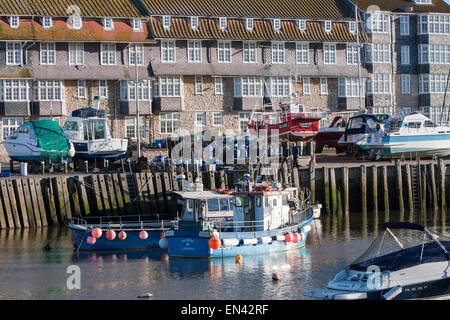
(27, 271)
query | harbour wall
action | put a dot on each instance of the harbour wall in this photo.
(43, 200)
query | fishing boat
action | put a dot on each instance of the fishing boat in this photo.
(39, 141)
(410, 134)
(329, 137)
(119, 232)
(288, 123)
(255, 219)
(88, 129)
(359, 128)
(406, 261)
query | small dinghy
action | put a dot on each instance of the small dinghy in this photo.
(406, 261)
(39, 141)
(88, 130)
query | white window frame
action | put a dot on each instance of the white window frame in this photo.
(75, 22)
(302, 53)
(328, 26)
(8, 128)
(166, 22)
(49, 90)
(217, 116)
(103, 88)
(352, 27)
(128, 90)
(136, 53)
(130, 127)
(378, 53)
(277, 24)
(249, 24)
(14, 53)
(249, 52)
(169, 121)
(76, 53)
(306, 84)
(200, 122)
(380, 83)
(280, 86)
(108, 54)
(47, 54)
(301, 24)
(137, 25)
(194, 51)
(14, 90)
(324, 86)
(278, 53)
(168, 86)
(329, 53)
(352, 54)
(14, 22)
(349, 88)
(223, 23)
(194, 22)
(47, 22)
(405, 55)
(404, 26)
(224, 52)
(81, 89)
(108, 24)
(198, 86)
(405, 83)
(218, 85)
(378, 22)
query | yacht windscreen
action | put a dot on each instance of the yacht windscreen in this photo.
(70, 126)
(394, 125)
(399, 248)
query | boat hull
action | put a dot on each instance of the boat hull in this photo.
(297, 129)
(25, 152)
(195, 244)
(98, 150)
(132, 241)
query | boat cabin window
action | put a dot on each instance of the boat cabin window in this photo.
(274, 202)
(71, 126)
(213, 205)
(241, 201)
(23, 129)
(414, 125)
(355, 123)
(284, 200)
(189, 209)
(258, 202)
(429, 124)
(224, 205)
(94, 129)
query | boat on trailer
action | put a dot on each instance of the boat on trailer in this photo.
(329, 137)
(39, 141)
(406, 261)
(88, 129)
(255, 219)
(410, 134)
(139, 232)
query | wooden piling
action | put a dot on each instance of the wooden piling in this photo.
(433, 186)
(73, 196)
(442, 171)
(333, 191)
(423, 206)
(28, 204)
(118, 193)
(14, 208)
(40, 201)
(84, 200)
(409, 188)
(7, 205)
(20, 203)
(97, 195)
(111, 195)
(125, 192)
(375, 189)
(385, 191)
(363, 189)
(345, 187)
(312, 179)
(49, 198)
(399, 180)
(326, 189)
(104, 193)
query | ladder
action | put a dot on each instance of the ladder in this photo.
(415, 185)
(132, 188)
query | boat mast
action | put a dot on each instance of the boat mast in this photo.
(138, 133)
(359, 56)
(445, 96)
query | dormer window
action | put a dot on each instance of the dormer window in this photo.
(137, 25)
(14, 21)
(249, 23)
(277, 24)
(194, 23)
(327, 25)
(75, 22)
(223, 23)
(47, 22)
(352, 27)
(108, 24)
(301, 25)
(166, 22)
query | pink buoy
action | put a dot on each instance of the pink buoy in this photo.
(275, 276)
(295, 237)
(122, 235)
(110, 234)
(96, 233)
(143, 235)
(91, 240)
(288, 237)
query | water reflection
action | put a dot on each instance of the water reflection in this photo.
(28, 271)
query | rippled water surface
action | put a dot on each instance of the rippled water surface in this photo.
(27, 271)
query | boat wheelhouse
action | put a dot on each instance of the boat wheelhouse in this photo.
(289, 123)
(222, 223)
(88, 130)
(413, 134)
(359, 128)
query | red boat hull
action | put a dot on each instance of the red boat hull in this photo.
(298, 129)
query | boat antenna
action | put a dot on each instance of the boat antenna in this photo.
(358, 56)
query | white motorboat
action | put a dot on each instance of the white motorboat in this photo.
(37, 141)
(406, 261)
(410, 134)
(88, 130)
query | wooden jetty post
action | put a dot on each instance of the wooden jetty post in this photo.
(442, 171)
(386, 190)
(375, 188)
(363, 189)
(399, 180)
(312, 179)
(433, 186)
(423, 206)
(345, 186)
(326, 189)
(409, 188)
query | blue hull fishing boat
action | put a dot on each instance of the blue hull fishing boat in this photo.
(217, 224)
(118, 233)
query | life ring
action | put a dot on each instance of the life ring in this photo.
(227, 191)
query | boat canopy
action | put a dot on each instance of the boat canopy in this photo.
(88, 113)
(50, 138)
(363, 123)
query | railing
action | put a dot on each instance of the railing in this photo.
(125, 222)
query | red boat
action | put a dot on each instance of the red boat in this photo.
(330, 136)
(289, 123)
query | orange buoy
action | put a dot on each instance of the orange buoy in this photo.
(122, 235)
(295, 237)
(238, 258)
(214, 243)
(96, 233)
(143, 235)
(288, 237)
(91, 240)
(110, 234)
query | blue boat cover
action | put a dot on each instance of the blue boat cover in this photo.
(88, 113)
(403, 225)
